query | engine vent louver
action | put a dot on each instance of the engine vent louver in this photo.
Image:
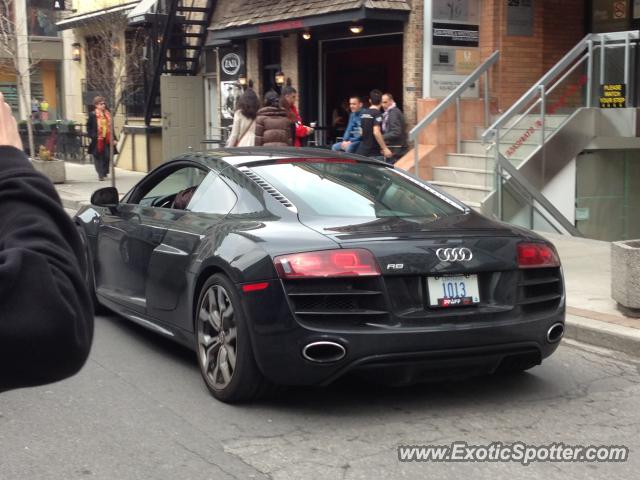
(540, 289)
(270, 189)
(345, 301)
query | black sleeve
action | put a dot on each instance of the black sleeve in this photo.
(92, 126)
(393, 136)
(46, 315)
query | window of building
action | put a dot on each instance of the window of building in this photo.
(41, 18)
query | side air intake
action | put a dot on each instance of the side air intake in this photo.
(270, 189)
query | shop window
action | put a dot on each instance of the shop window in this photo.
(270, 61)
(41, 18)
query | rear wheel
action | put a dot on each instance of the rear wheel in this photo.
(223, 346)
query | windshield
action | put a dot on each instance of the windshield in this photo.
(341, 189)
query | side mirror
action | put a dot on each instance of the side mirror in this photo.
(106, 197)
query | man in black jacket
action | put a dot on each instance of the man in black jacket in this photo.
(393, 127)
(46, 316)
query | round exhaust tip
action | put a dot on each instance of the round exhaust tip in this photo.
(323, 352)
(555, 332)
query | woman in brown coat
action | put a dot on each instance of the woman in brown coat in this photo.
(273, 126)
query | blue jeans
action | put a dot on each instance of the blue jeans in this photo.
(353, 146)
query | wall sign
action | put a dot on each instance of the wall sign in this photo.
(456, 34)
(231, 63)
(520, 18)
(613, 95)
(232, 67)
(461, 11)
(59, 5)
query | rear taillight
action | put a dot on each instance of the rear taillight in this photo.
(537, 255)
(327, 263)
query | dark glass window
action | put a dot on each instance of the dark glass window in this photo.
(353, 190)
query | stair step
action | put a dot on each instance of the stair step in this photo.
(470, 160)
(515, 133)
(464, 176)
(475, 147)
(463, 192)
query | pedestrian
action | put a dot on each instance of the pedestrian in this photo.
(372, 142)
(102, 140)
(35, 109)
(288, 101)
(273, 126)
(244, 120)
(44, 110)
(393, 127)
(46, 316)
(353, 132)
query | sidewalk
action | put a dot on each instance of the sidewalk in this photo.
(592, 316)
(82, 181)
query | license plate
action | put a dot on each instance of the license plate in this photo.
(453, 291)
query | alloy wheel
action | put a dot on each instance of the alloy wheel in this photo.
(217, 337)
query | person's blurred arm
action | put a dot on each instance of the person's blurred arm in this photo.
(46, 315)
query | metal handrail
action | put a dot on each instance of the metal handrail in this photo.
(585, 44)
(453, 96)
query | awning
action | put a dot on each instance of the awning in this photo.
(84, 19)
(247, 18)
(139, 14)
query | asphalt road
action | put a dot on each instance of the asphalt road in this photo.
(139, 410)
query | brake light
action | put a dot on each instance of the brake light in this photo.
(537, 255)
(327, 263)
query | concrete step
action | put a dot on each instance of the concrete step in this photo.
(465, 176)
(463, 192)
(476, 147)
(470, 160)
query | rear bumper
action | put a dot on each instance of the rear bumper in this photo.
(415, 353)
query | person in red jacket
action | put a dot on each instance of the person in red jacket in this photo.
(46, 315)
(288, 101)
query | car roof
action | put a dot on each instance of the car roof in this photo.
(242, 156)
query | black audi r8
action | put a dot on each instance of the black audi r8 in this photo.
(296, 266)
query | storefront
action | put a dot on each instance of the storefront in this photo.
(328, 53)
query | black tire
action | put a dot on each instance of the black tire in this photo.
(98, 308)
(226, 360)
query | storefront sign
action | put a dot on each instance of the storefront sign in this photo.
(280, 26)
(232, 67)
(613, 95)
(520, 17)
(456, 11)
(610, 15)
(231, 64)
(467, 60)
(455, 34)
(443, 84)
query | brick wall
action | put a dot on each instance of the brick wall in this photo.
(253, 64)
(557, 27)
(289, 58)
(412, 61)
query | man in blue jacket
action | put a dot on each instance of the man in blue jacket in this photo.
(353, 132)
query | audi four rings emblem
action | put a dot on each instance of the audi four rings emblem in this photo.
(454, 254)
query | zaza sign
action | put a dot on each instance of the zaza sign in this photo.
(231, 63)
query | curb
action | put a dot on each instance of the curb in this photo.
(602, 334)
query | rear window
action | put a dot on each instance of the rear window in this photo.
(340, 189)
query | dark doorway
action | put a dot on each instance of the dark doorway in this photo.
(270, 62)
(357, 66)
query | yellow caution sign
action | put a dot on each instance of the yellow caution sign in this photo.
(613, 95)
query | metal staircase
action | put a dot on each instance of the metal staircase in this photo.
(506, 171)
(177, 40)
